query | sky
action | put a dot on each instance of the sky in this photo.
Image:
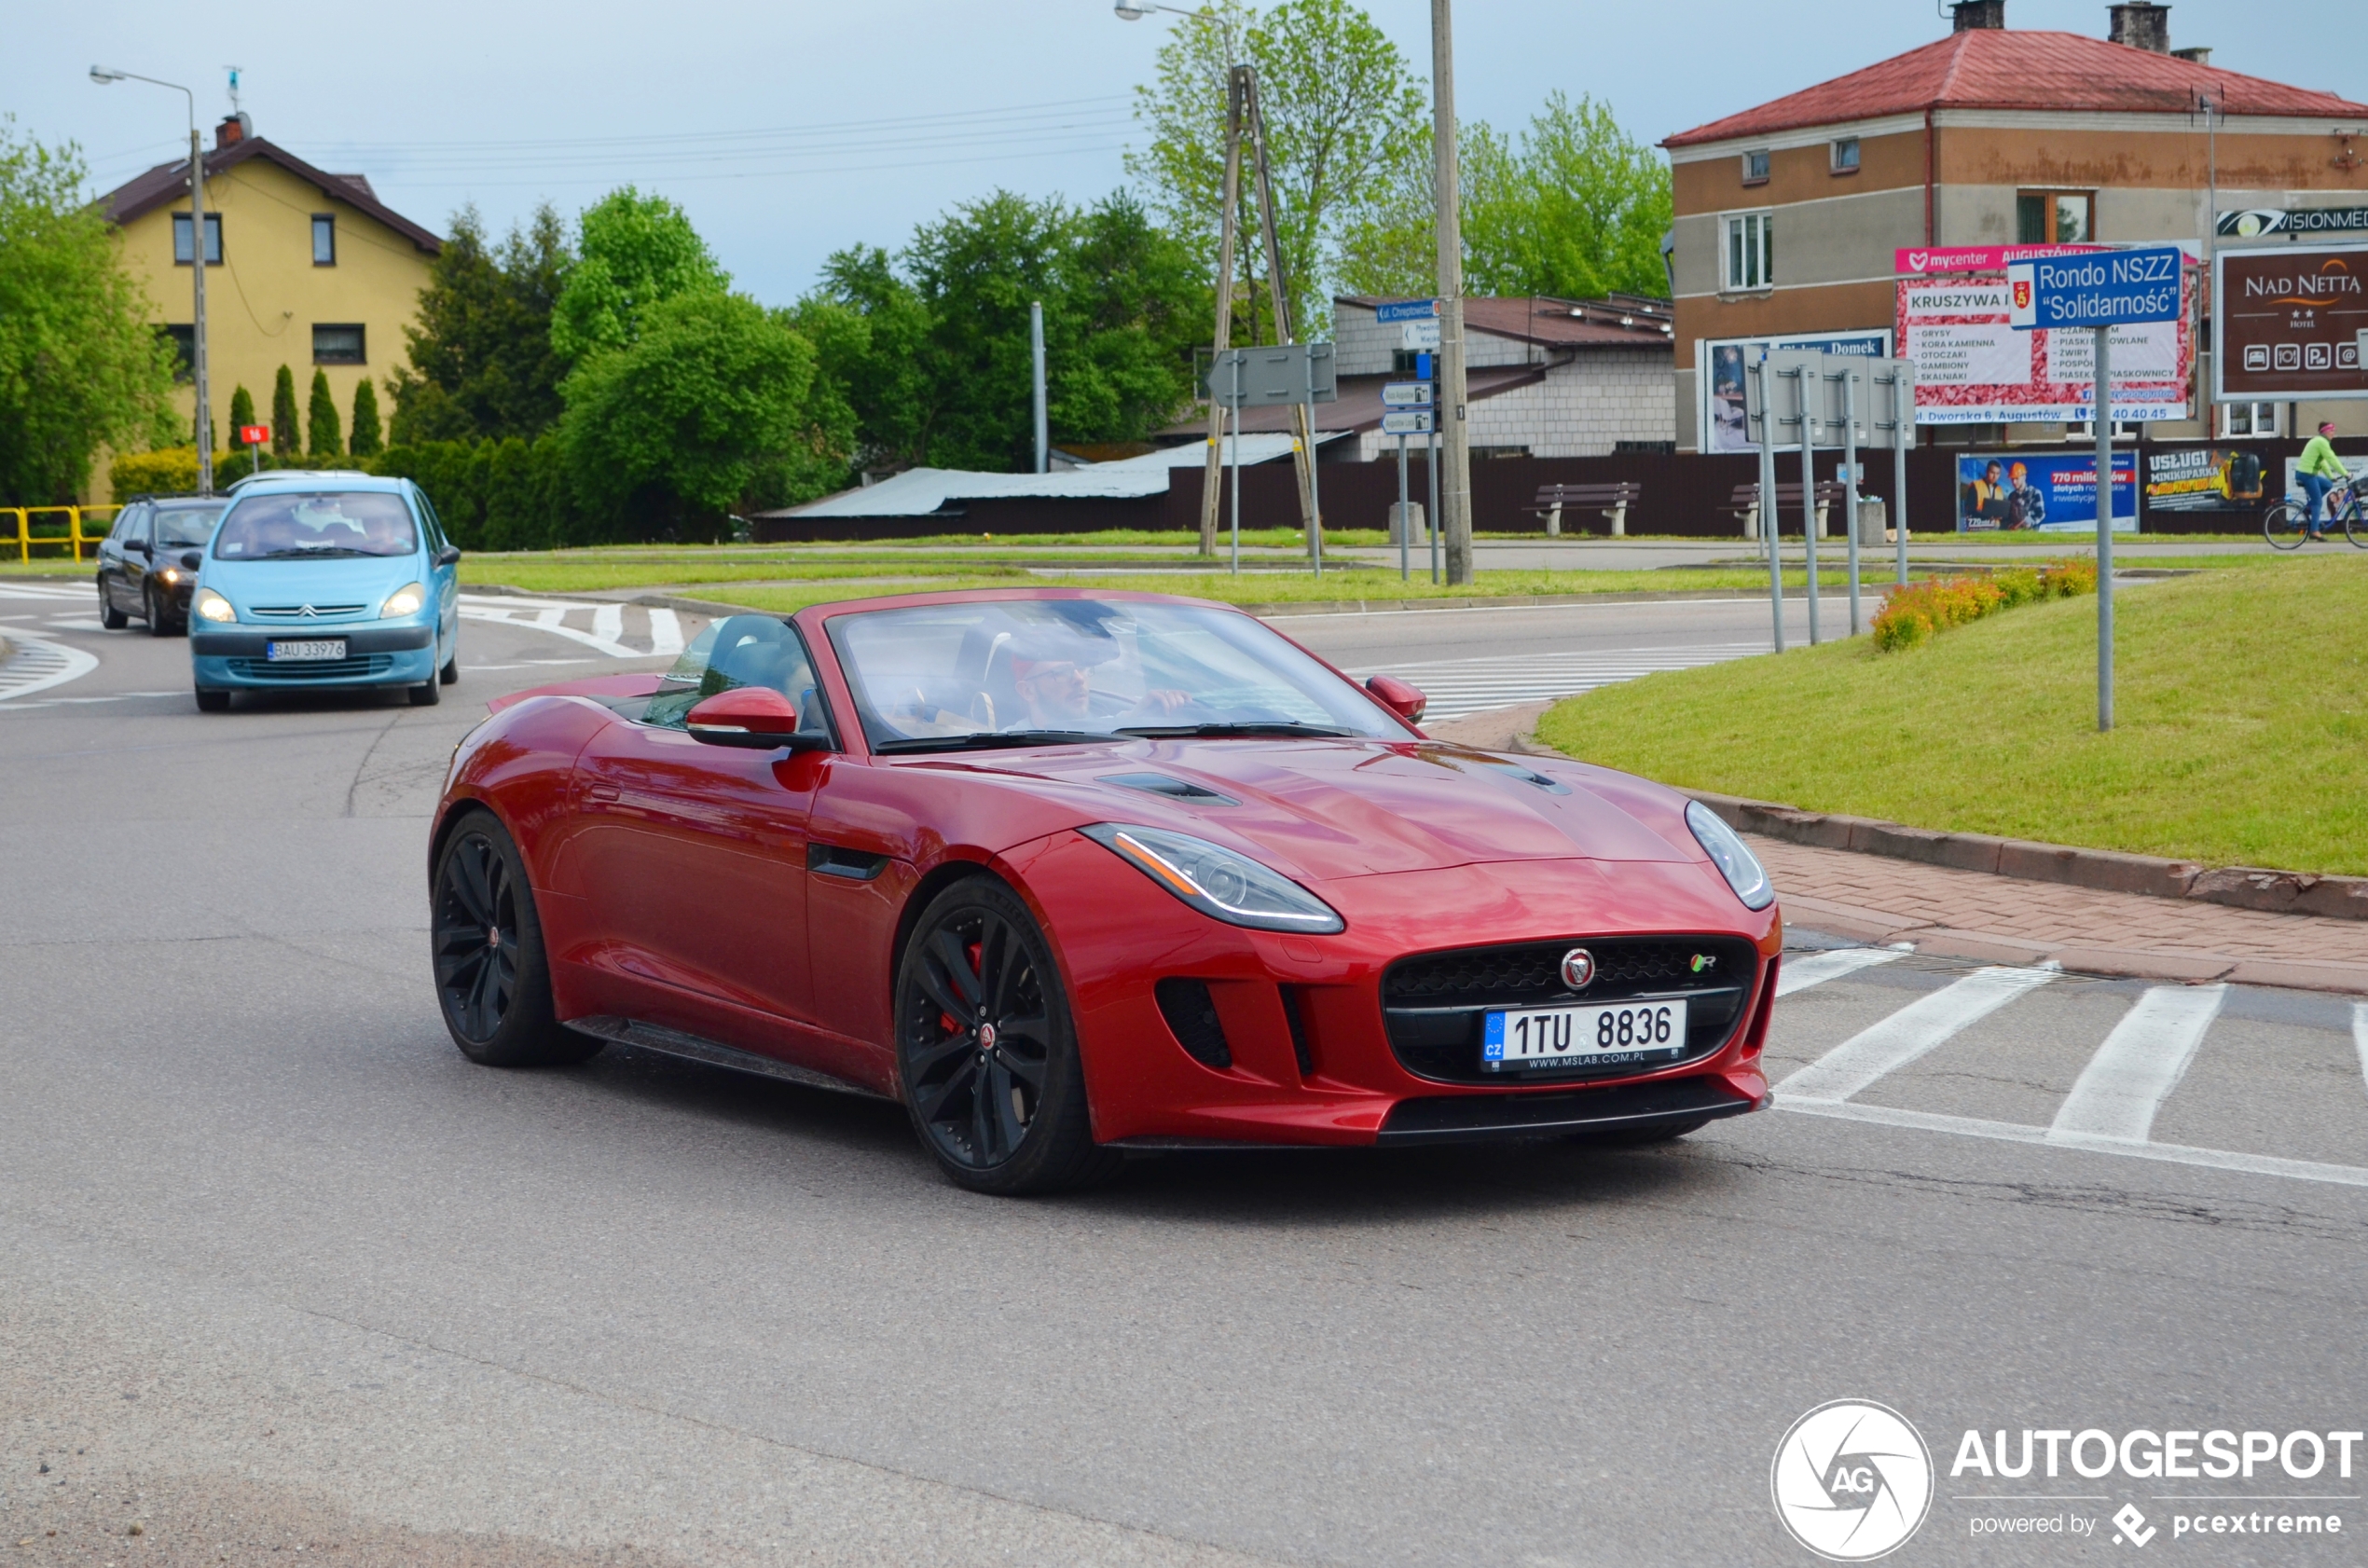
(790, 129)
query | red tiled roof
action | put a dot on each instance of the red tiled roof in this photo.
(1998, 68)
(170, 182)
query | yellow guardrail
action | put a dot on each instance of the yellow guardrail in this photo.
(29, 535)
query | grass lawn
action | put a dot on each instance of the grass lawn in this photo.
(2241, 701)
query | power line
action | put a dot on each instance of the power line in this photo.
(782, 173)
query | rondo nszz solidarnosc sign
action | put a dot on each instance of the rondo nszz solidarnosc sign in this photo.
(2110, 288)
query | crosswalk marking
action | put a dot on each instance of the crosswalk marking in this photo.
(45, 591)
(1457, 687)
(1815, 968)
(1909, 1034)
(666, 630)
(39, 663)
(607, 632)
(2140, 1064)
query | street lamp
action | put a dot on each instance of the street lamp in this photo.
(102, 75)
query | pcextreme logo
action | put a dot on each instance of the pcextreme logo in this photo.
(1852, 1481)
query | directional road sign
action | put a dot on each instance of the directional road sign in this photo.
(2104, 288)
(1406, 394)
(1407, 310)
(1406, 422)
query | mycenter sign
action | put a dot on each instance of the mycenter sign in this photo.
(2111, 288)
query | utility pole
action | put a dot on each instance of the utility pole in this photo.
(1036, 348)
(1225, 321)
(102, 75)
(1456, 496)
(1302, 414)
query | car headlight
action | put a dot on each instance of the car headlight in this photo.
(1215, 881)
(212, 606)
(1731, 856)
(405, 600)
(169, 574)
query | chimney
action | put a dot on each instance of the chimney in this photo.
(233, 129)
(2192, 57)
(2141, 26)
(1989, 15)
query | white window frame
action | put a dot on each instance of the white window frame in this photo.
(1834, 154)
(1766, 160)
(2255, 414)
(1747, 251)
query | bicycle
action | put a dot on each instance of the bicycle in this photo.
(2285, 523)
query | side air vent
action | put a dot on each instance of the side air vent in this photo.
(1292, 1012)
(1173, 787)
(1193, 1015)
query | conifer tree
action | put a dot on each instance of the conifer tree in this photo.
(324, 436)
(287, 441)
(367, 440)
(242, 410)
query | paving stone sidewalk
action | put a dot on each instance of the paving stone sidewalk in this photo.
(2005, 919)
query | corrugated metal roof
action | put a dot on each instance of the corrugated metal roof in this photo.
(1998, 68)
(918, 492)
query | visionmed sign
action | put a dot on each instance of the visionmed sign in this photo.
(2288, 323)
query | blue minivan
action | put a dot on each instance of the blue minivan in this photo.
(326, 580)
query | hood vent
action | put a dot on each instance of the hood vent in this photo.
(1173, 787)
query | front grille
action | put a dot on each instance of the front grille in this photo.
(360, 667)
(1434, 1005)
(297, 611)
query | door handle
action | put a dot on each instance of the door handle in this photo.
(605, 792)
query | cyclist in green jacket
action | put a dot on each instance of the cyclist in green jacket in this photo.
(2320, 470)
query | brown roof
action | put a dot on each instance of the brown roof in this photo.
(170, 182)
(1996, 68)
(1623, 321)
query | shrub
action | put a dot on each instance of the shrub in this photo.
(172, 471)
(285, 441)
(367, 440)
(1915, 612)
(324, 430)
(242, 410)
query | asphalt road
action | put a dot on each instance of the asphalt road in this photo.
(281, 1270)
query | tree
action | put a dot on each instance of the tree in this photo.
(635, 252)
(667, 434)
(1575, 209)
(80, 363)
(1339, 107)
(870, 329)
(285, 440)
(323, 437)
(242, 410)
(367, 440)
(481, 360)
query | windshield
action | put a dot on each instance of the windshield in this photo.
(1021, 671)
(311, 525)
(180, 526)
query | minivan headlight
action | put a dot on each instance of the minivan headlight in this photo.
(212, 606)
(405, 600)
(1731, 856)
(1215, 881)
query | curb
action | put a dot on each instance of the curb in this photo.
(2277, 892)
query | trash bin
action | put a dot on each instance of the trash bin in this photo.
(1412, 519)
(1873, 526)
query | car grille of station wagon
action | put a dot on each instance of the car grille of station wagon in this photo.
(360, 667)
(1433, 1005)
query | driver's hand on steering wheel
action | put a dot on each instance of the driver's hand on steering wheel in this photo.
(1166, 701)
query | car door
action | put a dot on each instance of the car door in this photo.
(117, 562)
(444, 580)
(691, 856)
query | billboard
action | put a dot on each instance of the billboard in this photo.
(1974, 367)
(2288, 320)
(1719, 369)
(2203, 479)
(2046, 492)
(2253, 222)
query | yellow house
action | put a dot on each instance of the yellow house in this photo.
(304, 268)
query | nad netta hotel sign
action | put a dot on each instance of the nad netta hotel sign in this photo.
(2288, 321)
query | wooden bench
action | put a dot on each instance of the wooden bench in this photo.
(1745, 505)
(1611, 500)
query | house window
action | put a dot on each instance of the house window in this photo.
(184, 350)
(1845, 154)
(2248, 419)
(337, 345)
(1750, 250)
(213, 239)
(324, 239)
(2055, 217)
(1756, 168)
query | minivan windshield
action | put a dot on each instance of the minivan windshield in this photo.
(1025, 672)
(178, 527)
(312, 525)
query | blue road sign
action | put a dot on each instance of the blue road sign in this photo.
(1407, 309)
(2103, 288)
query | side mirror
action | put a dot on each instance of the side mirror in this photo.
(191, 561)
(448, 556)
(1406, 701)
(139, 545)
(756, 717)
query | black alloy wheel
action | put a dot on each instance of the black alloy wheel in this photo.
(109, 616)
(492, 978)
(159, 623)
(986, 1051)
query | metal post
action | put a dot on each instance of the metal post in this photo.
(1036, 348)
(1430, 467)
(1809, 494)
(1405, 545)
(1849, 481)
(1903, 411)
(2104, 427)
(197, 268)
(1768, 516)
(1456, 443)
(1237, 465)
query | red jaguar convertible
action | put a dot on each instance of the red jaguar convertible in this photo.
(1069, 874)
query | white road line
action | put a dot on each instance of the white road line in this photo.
(45, 591)
(665, 631)
(2008, 1131)
(1913, 1030)
(1799, 974)
(2360, 1035)
(2140, 1064)
(39, 664)
(547, 617)
(607, 623)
